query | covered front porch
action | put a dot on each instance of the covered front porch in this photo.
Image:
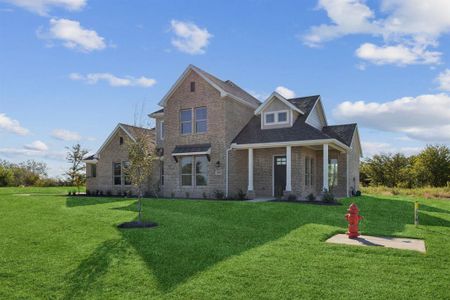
(282, 169)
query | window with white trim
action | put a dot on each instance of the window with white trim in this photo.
(309, 167)
(186, 121)
(332, 172)
(276, 117)
(126, 176)
(161, 130)
(194, 176)
(117, 173)
(201, 119)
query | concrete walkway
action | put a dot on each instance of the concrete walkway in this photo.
(262, 199)
(388, 242)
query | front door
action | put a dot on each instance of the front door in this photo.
(279, 174)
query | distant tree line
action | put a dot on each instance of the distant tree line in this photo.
(431, 167)
(28, 173)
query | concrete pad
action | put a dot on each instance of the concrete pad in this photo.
(261, 199)
(378, 241)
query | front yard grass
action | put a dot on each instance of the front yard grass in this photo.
(54, 246)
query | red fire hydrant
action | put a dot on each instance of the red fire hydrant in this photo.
(353, 219)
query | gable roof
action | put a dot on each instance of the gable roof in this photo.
(131, 131)
(343, 133)
(157, 113)
(226, 88)
(252, 133)
(273, 96)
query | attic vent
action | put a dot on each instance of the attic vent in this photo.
(192, 86)
(121, 140)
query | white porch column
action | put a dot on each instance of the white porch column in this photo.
(250, 169)
(288, 168)
(325, 167)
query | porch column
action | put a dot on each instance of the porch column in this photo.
(288, 169)
(325, 167)
(250, 169)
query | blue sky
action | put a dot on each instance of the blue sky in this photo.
(70, 70)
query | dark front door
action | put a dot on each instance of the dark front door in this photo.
(279, 173)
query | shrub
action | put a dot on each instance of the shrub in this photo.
(204, 195)
(187, 195)
(101, 193)
(69, 193)
(88, 192)
(97, 192)
(358, 193)
(292, 197)
(108, 193)
(241, 195)
(172, 195)
(311, 197)
(328, 197)
(218, 194)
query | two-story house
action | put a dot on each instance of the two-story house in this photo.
(214, 137)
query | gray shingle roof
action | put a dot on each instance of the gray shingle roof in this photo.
(191, 148)
(230, 87)
(136, 131)
(343, 133)
(300, 131)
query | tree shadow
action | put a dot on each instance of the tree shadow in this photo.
(86, 201)
(428, 208)
(194, 236)
(91, 269)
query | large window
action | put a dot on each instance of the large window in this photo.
(276, 117)
(126, 176)
(186, 121)
(93, 170)
(117, 173)
(161, 130)
(161, 173)
(186, 171)
(197, 176)
(309, 166)
(333, 172)
(201, 120)
(201, 170)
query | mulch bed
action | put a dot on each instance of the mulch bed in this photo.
(136, 224)
(309, 202)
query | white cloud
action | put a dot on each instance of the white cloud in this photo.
(42, 7)
(425, 117)
(409, 28)
(17, 152)
(73, 35)
(189, 38)
(398, 54)
(444, 80)
(37, 146)
(372, 148)
(11, 125)
(285, 92)
(66, 135)
(93, 78)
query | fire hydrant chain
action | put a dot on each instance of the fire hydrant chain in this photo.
(353, 219)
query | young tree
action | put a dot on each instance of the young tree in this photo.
(141, 155)
(76, 172)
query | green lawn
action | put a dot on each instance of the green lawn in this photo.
(54, 246)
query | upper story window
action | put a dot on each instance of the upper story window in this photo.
(186, 121)
(192, 86)
(276, 117)
(201, 117)
(161, 130)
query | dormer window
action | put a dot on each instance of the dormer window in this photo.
(276, 117)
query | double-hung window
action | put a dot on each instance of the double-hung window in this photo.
(186, 121)
(333, 172)
(201, 120)
(126, 175)
(309, 167)
(117, 173)
(194, 176)
(276, 117)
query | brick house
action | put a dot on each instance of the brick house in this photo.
(214, 136)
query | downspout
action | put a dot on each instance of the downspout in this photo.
(226, 171)
(347, 172)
